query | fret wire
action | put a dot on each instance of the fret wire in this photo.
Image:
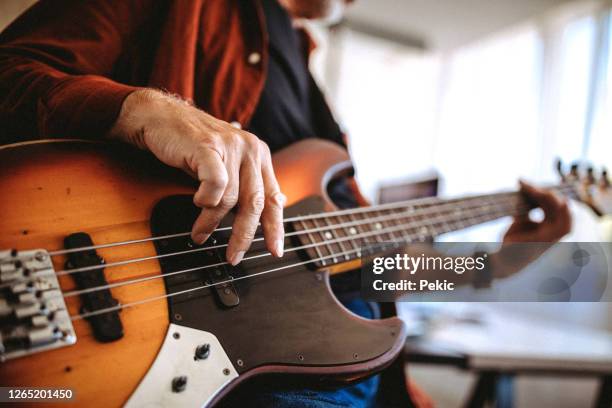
(428, 231)
(423, 232)
(462, 216)
(446, 227)
(324, 238)
(411, 215)
(473, 219)
(460, 221)
(377, 236)
(394, 222)
(385, 224)
(483, 207)
(357, 227)
(348, 233)
(324, 235)
(340, 232)
(432, 230)
(508, 207)
(331, 233)
(410, 211)
(312, 240)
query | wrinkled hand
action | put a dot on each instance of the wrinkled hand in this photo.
(556, 223)
(233, 167)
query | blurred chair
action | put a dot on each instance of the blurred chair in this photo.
(418, 187)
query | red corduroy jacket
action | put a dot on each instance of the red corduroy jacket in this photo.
(66, 66)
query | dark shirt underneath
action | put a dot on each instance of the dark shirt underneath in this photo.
(285, 112)
(290, 107)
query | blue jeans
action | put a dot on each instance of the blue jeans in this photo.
(362, 394)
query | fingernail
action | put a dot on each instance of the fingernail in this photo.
(199, 239)
(235, 260)
(279, 247)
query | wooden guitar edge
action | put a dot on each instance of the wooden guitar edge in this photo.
(341, 374)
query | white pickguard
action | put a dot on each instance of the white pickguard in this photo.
(205, 378)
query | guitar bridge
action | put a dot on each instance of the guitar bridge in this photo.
(33, 315)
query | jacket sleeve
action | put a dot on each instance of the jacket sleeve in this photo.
(56, 61)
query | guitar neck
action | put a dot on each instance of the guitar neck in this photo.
(338, 236)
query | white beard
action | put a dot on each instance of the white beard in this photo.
(334, 14)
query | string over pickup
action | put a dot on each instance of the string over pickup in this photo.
(88, 272)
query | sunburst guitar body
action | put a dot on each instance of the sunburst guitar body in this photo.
(103, 293)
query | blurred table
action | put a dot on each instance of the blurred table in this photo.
(497, 345)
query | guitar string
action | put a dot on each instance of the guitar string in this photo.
(418, 201)
(389, 217)
(412, 216)
(562, 188)
(190, 290)
(412, 213)
(266, 254)
(168, 295)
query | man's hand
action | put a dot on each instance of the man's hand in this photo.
(233, 167)
(556, 223)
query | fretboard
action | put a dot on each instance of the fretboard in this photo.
(339, 236)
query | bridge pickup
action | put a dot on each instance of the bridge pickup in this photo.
(106, 327)
(203, 267)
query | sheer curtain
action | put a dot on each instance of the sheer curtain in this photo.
(599, 130)
(488, 117)
(483, 115)
(385, 96)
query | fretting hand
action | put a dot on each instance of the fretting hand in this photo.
(556, 223)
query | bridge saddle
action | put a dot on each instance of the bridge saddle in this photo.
(33, 315)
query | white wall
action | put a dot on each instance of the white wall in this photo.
(9, 9)
(444, 25)
(502, 107)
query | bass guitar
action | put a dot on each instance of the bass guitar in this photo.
(103, 293)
